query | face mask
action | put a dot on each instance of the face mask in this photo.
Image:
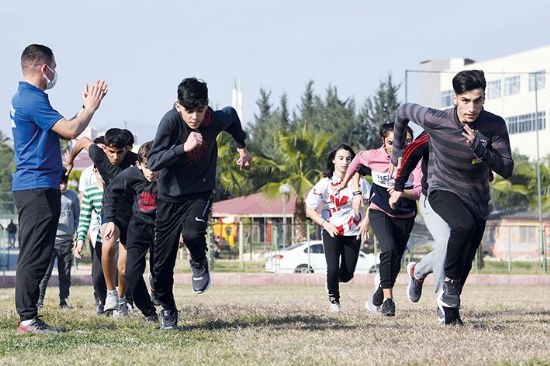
(51, 83)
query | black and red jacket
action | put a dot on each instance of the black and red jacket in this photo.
(132, 183)
(416, 150)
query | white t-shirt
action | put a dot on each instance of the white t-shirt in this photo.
(337, 209)
(87, 178)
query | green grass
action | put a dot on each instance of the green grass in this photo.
(247, 325)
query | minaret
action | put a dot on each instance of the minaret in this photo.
(237, 98)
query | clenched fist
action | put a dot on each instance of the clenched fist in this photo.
(194, 140)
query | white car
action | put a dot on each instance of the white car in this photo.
(309, 257)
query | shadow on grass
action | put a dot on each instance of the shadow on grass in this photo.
(302, 322)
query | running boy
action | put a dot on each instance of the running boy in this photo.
(141, 182)
(185, 154)
(111, 161)
(466, 144)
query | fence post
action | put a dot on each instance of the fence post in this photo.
(241, 245)
(509, 251)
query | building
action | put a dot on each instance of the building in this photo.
(516, 90)
(263, 215)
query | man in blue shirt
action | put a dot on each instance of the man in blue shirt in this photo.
(36, 129)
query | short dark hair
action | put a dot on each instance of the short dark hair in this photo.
(143, 152)
(35, 54)
(330, 165)
(469, 80)
(386, 128)
(99, 140)
(192, 93)
(129, 136)
(115, 137)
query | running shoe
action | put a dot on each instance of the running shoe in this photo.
(169, 319)
(201, 275)
(388, 307)
(335, 307)
(414, 286)
(37, 326)
(450, 296)
(111, 301)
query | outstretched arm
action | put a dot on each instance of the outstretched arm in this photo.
(82, 144)
(91, 98)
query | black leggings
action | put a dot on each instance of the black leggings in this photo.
(341, 253)
(393, 234)
(141, 237)
(466, 233)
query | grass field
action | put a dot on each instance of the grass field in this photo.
(290, 325)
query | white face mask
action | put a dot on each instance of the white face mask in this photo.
(51, 83)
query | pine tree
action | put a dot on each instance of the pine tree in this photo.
(377, 110)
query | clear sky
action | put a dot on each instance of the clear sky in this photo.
(144, 48)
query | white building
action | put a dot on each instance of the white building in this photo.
(510, 93)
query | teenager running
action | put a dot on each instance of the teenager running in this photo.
(392, 226)
(466, 144)
(90, 216)
(341, 235)
(185, 154)
(434, 261)
(110, 161)
(141, 182)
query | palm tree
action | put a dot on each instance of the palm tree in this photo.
(300, 157)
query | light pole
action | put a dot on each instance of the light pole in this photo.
(284, 189)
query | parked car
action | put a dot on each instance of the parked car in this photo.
(309, 257)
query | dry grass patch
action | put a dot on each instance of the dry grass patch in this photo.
(290, 325)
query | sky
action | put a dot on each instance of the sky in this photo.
(143, 49)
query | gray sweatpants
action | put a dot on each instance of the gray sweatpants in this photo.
(434, 261)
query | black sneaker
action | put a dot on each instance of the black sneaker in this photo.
(99, 309)
(388, 307)
(169, 320)
(64, 305)
(451, 316)
(414, 287)
(450, 296)
(38, 326)
(201, 275)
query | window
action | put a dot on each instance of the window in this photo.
(493, 89)
(447, 98)
(526, 122)
(316, 249)
(540, 77)
(511, 85)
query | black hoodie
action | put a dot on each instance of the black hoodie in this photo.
(183, 174)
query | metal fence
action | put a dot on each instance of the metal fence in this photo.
(505, 248)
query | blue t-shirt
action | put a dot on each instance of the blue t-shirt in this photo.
(37, 149)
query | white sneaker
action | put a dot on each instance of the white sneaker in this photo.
(111, 301)
(335, 307)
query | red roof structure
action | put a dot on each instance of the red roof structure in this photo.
(254, 205)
